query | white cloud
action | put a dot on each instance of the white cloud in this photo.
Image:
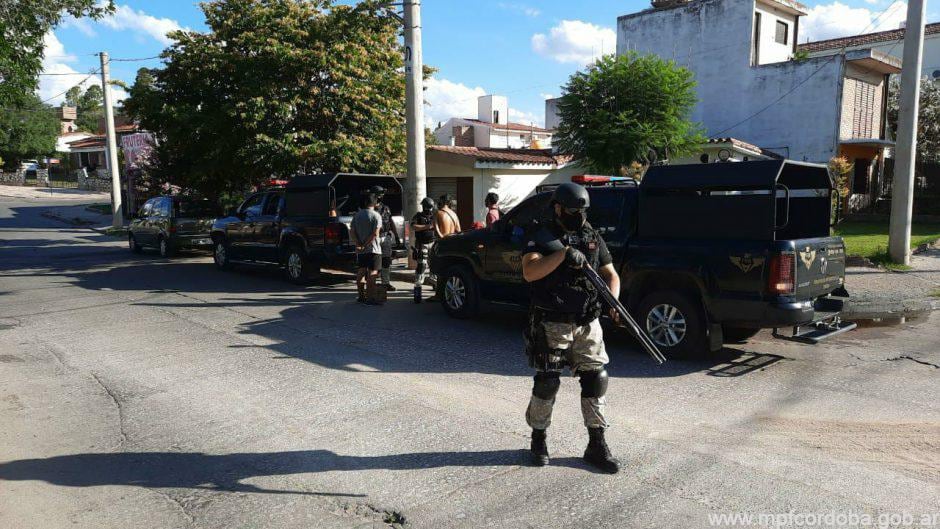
(447, 99)
(575, 41)
(127, 18)
(57, 61)
(827, 21)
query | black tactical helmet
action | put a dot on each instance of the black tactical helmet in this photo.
(571, 195)
(377, 190)
(427, 203)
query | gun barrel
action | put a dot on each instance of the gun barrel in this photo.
(625, 316)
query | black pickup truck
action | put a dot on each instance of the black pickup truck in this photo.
(304, 225)
(708, 253)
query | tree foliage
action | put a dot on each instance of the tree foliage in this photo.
(23, 24)
(625, 109)
(27, 130)
(89, 105)
(928, 128)
(274, 87)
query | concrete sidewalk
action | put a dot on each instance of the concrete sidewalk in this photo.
(53, 193)
(880, 293)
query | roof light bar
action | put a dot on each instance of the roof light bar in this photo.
(596, 179)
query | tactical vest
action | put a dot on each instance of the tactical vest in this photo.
(387, 224)
(424, 219)
(566, 291)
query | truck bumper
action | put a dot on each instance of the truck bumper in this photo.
(784, 313)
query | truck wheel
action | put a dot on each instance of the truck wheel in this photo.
(675, 323)
(300, 270)
(738, 334)
(220, 254)
(460, 293)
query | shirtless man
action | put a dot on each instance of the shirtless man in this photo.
(446, 222)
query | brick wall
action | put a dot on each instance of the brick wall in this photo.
(463, 136)
(862, 98)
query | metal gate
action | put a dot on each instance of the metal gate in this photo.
(59, 177)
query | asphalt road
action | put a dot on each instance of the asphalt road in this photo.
(140, 392)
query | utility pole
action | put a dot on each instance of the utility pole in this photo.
(416, 188)
(117, 218)
(902, 196)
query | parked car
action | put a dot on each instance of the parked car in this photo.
(173, 223)
(303, 226)
(716, 251)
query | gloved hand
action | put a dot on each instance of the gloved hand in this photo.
(574, 258)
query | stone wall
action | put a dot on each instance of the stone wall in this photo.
(92, 182)
(16, 178)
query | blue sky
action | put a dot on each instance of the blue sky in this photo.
(522, 49)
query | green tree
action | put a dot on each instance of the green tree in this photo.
(625, 109)
(27, 130)
(23, 24)
(274, 87)
(928, 125)
(90, 108)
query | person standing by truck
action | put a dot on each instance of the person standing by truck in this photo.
(446, 222)
(492, 209)
(422, 225)
(387, 237)
(366, 228)
(564, 330)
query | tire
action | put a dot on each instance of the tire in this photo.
(460, 292)
(299, 269)
(737, 334)
(220, 254)
(675, 322)
(165, 247)
(132, 243)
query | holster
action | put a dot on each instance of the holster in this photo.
(541, 356)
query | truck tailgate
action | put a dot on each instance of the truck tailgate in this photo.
(820, 266)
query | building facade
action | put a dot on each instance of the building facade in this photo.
(750, 87)
(492, 129)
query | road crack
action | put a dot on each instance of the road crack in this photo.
(912, 359)
(120, 410)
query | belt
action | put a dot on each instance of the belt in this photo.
(559, 317)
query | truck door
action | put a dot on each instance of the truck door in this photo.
(265, 230)
(239, 233)
(502, 255)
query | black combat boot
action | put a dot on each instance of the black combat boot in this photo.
(539, 448)
(597, 453)
(417, 294)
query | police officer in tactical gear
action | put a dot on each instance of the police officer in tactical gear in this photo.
(422, 225)
(387, 235)
(563, 320)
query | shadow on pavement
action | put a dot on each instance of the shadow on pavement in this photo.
(227, 471)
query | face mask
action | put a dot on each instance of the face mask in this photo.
(572, 221)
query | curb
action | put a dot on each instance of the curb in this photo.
(870, 310)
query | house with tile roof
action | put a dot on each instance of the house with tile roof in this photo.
(888, 42)
(492, 129)
(749, 85)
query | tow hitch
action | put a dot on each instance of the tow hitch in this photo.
(816, 332)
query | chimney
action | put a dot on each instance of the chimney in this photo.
(493, 109)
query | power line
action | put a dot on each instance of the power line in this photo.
(810, 76)
(83, 81)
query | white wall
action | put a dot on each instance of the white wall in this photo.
(929, 66)
(487, 104)
(712, 38)
(770, 50)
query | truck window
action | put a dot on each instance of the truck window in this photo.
(535, 208)
(307, 202)
(605, 211)
(191, 208)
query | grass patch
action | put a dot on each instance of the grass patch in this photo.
(104, 209)
(870, 239)
(935, 293)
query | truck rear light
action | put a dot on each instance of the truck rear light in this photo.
(333, 234)
(596, 179)
(782, 278)
(172, 229)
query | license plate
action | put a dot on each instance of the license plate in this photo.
(201, 242)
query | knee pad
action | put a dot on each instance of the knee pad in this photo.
(546, 385)
(593, 383)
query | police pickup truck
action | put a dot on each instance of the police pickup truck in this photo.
(304, 225)
(708, 253)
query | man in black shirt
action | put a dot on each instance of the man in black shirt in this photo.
(564, 330)
(387, 236)
(422, 225)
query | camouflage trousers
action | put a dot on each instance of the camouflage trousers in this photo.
(582, 349)
(420, 252)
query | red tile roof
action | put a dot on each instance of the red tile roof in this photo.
(89, 142)
(521, 156)
(521, 127)
(861, 40)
